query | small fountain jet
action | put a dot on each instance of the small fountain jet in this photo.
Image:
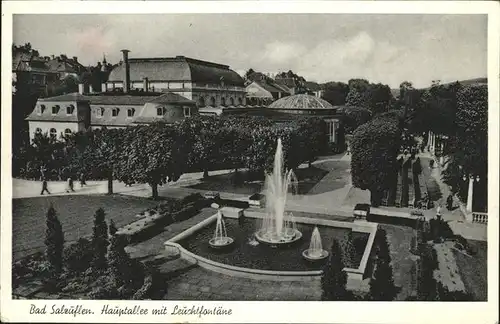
(220, 238)
(315, 251)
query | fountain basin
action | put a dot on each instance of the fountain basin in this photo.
(263, 262)
(220, 242)
(272, 239)
(315, 256)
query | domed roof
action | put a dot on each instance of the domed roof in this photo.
(300, 101)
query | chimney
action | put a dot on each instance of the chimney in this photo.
(145, 84)
(81, 88)
(91, 89)
(75, 59)
(126, 76)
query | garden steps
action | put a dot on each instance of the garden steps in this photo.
(176, 267)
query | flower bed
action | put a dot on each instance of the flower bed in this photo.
(152, 221)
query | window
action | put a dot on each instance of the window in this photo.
(114, 112)
(160, 111)
(100, 112)
(231, 101)
(55, 109)
(70, 109)
(38, 130)
(67, 131)
(240, 101)
(223, 101)
(331, 130)
(202, 102)
(53, 133)
(187, 111)
(131, 112)
(212, 101)
(42, 109)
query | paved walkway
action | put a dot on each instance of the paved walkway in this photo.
(455, 217)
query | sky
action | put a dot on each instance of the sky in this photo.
(320, 47)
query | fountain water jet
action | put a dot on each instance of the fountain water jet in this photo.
(315, 251)
(278, 228)
(220, 238)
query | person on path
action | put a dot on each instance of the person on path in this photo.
(82, 180)
(44, 186)
(449, 202)
(69, 186)
(438, 212)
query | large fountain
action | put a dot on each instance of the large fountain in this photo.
(277, 226)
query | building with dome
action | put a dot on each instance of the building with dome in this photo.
(308, 105)
(290, 107)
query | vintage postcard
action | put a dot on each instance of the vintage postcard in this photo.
(224, 162)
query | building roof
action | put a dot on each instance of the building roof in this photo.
(69, 97)
(301, 101)
(178, 68)
(119, 99)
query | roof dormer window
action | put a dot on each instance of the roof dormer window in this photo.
(70, 109)
(114, 112)
(42, 109)
(160, 111)
(131, 112)
(100, 112)
(187, 111)
(55, 109)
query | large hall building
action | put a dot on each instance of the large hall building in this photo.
(141, 91)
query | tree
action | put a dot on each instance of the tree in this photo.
(155, 154)
(349, 252)
(334, 278)
(54, 240)
(382, 286)
(354, 117)
(375, 146)
(355, 98)
(378, 98)
(104, 152)
(335, 93)
(124, 271)
(248, 73)
(468, 145)
(99, 240)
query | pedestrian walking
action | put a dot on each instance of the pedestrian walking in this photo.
(82, 179)
(44, 187)
(69, 185)
(438, 212)
(449, 202)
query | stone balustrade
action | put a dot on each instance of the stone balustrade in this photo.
(481, 218)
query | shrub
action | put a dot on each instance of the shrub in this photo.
(334, 278)
(99, 240)
(78, 256)
(54, 240)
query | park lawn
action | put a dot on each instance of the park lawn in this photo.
(473, 270)
(76, 214)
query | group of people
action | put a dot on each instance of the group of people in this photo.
(69, 183)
